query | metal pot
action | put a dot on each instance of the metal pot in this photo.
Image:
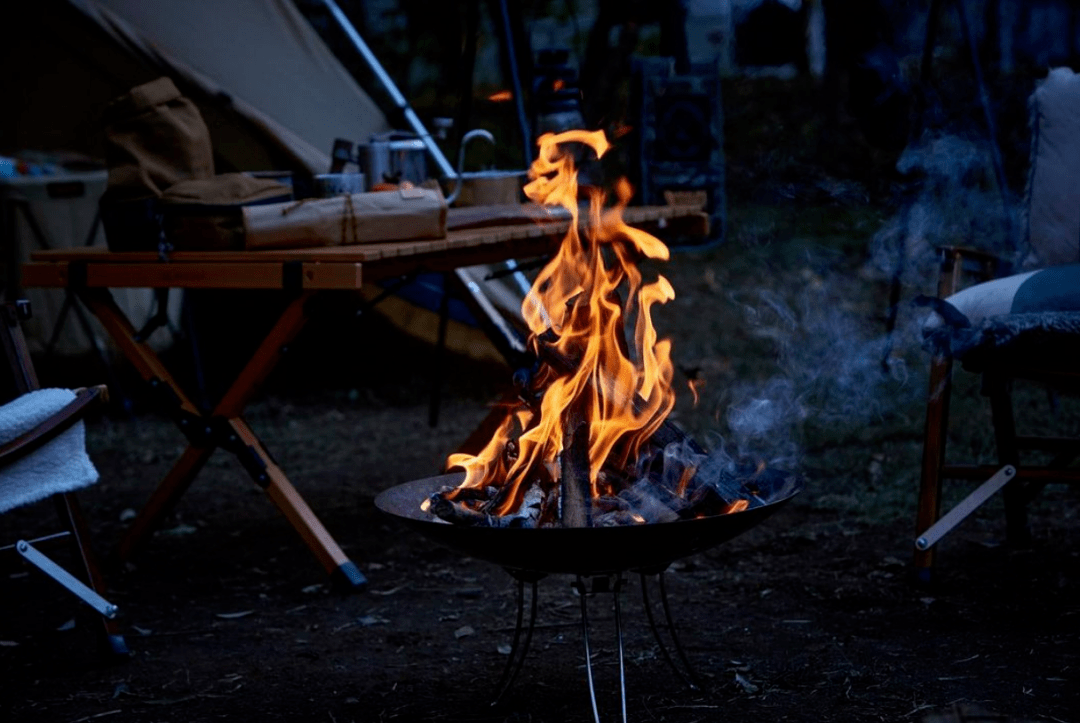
(395, 157)
(487, 188)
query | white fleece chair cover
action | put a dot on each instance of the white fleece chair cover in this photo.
(61, 465)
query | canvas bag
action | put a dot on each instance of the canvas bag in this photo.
(205, 213)
(154, 137)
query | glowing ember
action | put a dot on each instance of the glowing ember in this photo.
(576, 451)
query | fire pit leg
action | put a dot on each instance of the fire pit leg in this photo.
(601, 584)
(618, 634)
(689, 676)
(518, 653)
(582, 591)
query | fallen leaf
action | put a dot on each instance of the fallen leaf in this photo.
(141, 631)
(464, 631)
(504, 649)
(234, 616)
(69, 625)
(180, 531)
(369, 620)
(745, 684)
(386, 593)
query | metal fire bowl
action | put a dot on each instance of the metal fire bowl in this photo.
(586, 551)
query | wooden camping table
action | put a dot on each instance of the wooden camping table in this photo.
(91, 272)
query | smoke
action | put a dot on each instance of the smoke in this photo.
(953, 200)
(836, 369)
(840, 370)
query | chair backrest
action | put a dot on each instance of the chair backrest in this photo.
(20, 377)
(1052, 228)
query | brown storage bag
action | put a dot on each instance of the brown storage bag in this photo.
(154, 138)
(206, 213)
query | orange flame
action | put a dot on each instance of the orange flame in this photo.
(589, 314)
(501, 96)
(694, 385)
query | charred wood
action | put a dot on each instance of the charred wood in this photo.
(575, 490)
(725, 479)
(652, 503)
(460, 513)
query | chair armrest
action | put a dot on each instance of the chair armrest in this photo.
(101, 390)
(52, 427)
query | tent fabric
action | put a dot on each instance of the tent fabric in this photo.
(263, 55)
(272, 93)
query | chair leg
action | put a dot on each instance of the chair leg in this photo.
(934, 438)
(999, 391)
(67, 505)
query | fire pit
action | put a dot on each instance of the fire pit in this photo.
(584, 551)
(586, 476)
(596, 556)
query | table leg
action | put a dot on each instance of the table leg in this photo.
(239, 438)
(163, 500)
(279, 489)
(273, 346)
(141, 356)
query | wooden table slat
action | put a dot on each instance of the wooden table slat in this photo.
(325, 267)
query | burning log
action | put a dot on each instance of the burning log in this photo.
(667, 433)
(575, 489)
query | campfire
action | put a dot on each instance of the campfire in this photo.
(586, 476)
(589, 444)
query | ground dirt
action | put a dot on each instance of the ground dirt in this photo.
(811, 616)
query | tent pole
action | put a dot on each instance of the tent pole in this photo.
(388, 83)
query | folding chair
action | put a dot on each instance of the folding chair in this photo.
(42, 456)
(1007, 328)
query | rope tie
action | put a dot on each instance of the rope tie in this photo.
(349, 218)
